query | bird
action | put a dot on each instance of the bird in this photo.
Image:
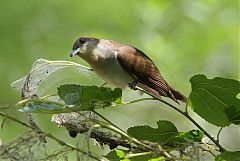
(124, 66)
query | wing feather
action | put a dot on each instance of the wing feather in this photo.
(142, 68)
(136, 63)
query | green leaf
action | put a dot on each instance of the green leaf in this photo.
(76, 98)
(89, 97)
(162, 133)
(116, 155)
(233, 114)
(193, 135)
(119, 155)
(182, 140)
(228, 156)
(215, 99)
(112, 156)
(157, 159)
(148, 157)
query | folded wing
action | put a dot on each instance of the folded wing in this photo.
(142, 68)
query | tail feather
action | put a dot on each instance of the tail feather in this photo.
(177, 95)
(172, 93)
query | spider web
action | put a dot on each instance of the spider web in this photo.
(44, 78)
(50, 74)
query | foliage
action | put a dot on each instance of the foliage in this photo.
(228, 156)
(116, 155)
(76, 98)
(216, 96)
(175, 34)
(89, 97)
(161, 134)
(182, 38)
(215, 99)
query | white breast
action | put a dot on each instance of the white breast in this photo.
(106, 66)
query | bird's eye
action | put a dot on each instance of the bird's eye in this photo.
(82, 41)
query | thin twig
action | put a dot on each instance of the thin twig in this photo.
(105, 119)
(138, 154)
(134, 140)
(138, 100)
(221, 149)
(127, 136)
(3, 107)
(218, 134)
(115, 128)
(49, 95)
(214, 155)
(119, 131)
(59, 141)
(208, 145)
(186, 107)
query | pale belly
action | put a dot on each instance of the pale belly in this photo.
(112, 72)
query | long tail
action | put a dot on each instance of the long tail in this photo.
(172, 93)
(178, 96)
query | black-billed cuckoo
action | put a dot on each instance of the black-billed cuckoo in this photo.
(123, 65)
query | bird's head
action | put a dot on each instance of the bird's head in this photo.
(84, 45)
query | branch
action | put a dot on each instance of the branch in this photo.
(111, 141)
(115, 128)
(59, 141)
(91, 125)
(221, 149)
(101, 137)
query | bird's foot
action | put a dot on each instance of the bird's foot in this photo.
(133, 85)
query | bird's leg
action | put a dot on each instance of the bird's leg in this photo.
(133, 85)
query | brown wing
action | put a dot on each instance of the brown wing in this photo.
(141, 67)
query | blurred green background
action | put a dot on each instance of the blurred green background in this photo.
(183, 38)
